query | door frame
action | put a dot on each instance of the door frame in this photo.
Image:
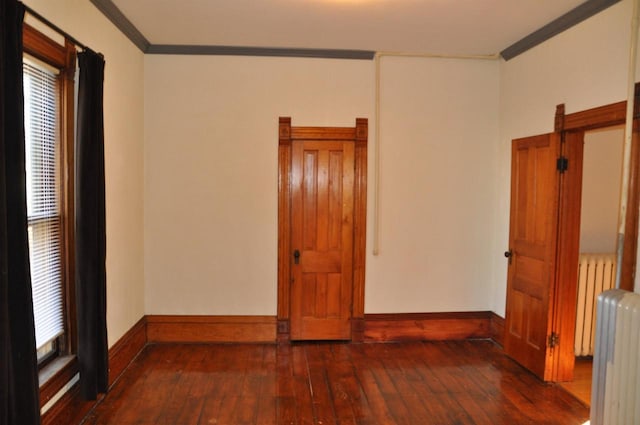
(286, 135)
(572, 127)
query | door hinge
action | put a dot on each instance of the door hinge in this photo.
(562, 164)
(554, 340)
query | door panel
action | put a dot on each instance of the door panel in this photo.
(535, 186)
(322, 184)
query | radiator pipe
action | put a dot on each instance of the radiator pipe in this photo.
(376, 175)
(628, 133)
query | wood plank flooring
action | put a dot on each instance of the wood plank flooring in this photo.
(581, 384)
(440, 383)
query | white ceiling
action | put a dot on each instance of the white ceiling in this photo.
(454, 27)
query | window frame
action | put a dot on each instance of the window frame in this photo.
(58, 370)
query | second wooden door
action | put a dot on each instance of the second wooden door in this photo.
(322, 204)
(535, 184)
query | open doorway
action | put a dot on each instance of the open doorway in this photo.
(601, 186)
(551, 321)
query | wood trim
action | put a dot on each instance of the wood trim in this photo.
(360, 223)
(607, 116)
(426, 326)
(574, 125)
(286, 134)
(629, 255)
(284, 329)
(127, 349)
(284, 219)
(59, 377)
(67, 137)
(566, 278)
(323, 133)
(559, 118)
(71, 408)
(202, 329)
(42, 47)
(357, 329)
(497, 328)
(602, 116)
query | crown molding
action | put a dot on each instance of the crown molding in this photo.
(561, 24)
(115, 15)
(172, 49)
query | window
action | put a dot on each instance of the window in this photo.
(43, 204)
(48, 112)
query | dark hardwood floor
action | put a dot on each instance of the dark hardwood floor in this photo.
(465, 382)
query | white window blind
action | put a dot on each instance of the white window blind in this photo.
(43, 200)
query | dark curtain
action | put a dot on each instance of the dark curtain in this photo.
(19, 391)
(91, 294)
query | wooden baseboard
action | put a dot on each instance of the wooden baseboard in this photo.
(357, 329)
(203, 329)
(426, 326)
(71, 408)
(284, 331)
(126, 349)
(497, 329)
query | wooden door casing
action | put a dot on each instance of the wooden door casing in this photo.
(602, 117)
(562, 357)
(573, 126)
(288, 138)
(322, 236)
(533, 247)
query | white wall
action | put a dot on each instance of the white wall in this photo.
(211, 155)
(201, 217)
(123, 114)
(583, 67)
(438, 136)
(211, 177)
(601, 181)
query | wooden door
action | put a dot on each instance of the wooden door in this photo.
(535, 183)
(322, 206)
